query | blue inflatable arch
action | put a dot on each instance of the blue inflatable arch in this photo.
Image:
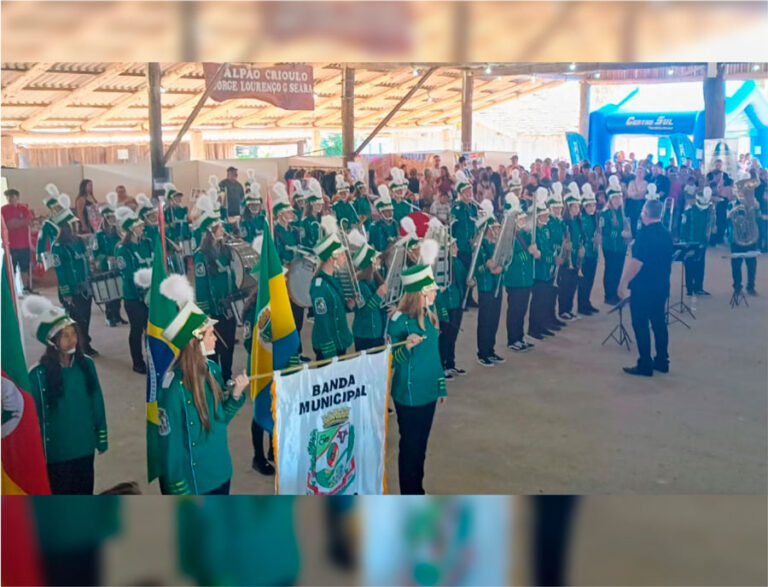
(679, 127)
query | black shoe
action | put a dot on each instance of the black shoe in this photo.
(560, 323)
(751, 292)
(472, 304)
(547, 332)
(517, 346)
(304, 359)
(497, 359)
(536, 335)
(554, 327)
(140, 369)
(638, 371)
(585, 312)
(91, 352)
(121, 321)
(458, 371)
(594, 310)
(485, 362)
(689, 293)
(262, 467)
(661, 367)
(702, 292)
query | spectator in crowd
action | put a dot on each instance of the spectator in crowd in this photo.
(627, 174)
(636, 191)
(608, 168)
(662, 182)
(485, 189)
(413, 181)
(445, 182)
(514, 162)
(582, 176)
(441, 207)
(86, 207)
(427, 189)
(17, 218)
(123, 199)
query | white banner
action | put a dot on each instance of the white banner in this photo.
(330, 427)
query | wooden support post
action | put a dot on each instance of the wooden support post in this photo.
(159, 170)
(348, 113)
(300, 148)
(8, 150)
(466, 111)
(196, 146)
(584, 92)
(714, 102)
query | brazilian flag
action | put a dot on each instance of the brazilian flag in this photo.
(160, 354)
(275, 342)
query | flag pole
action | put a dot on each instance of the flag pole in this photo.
(8, 266)
(161, 228)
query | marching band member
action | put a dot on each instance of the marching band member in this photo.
(68, 399)
(612, 223)
(697, 222)
(410, 240)
(464, 214)
(286, 240)
(743, 231)
(417, 375)
(487, 276)
(344, 211)
(518, 281)
(133, 253)
(73, 268)
(330, 332)
(556, 228)
(253, 218)
(569, 273)
(543, 270)
(312, 215)
(448, 304)
(49, 230)
(147, 213)
(368, 325)
(105, 245)
(515, 184)
(385, 230)
(590, 238)
(215, 282)
(401, 207)
(362, 204)
(176, 216)
(195, 407)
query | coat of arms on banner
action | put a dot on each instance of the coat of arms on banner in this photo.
(331, 451)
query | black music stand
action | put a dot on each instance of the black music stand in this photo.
(672, 314)
(683, 252)
(619, 332)
(738, 298)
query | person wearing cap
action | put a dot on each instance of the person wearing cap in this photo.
(73, 268)
(214, 284)
(331, 336)
(556, 228)
(253, 218)
(195, 406)
(463, 216)
(613, 240)
(49, 229)
(233, 196)
(362, 204)
(368, 324)
(385, 230)
(342, 208)
(518, 281)
(697, 223)
(176, 216)
(398, 186)
(487, 276)
(591, 242)
(68, 398)
(418, 382)
(574, 250)
(104, 255)
(543, 272)
(450, 313)
(133, 253)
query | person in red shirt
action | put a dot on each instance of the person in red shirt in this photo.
(17, 218)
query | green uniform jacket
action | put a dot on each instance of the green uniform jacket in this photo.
(285, 237)
(486, 281)
(67, 525)
(105, 246)
(610, 230)
(213, 284)
(382, 234)
(75, 425)
(131, 257)
(452, 297)
(694, 224)
(345, 211)
(401, 209)
(544, 266)
(194, 461)
(464, 216)
(330, 331)
(519, 272)
(48, 233)
(369, 320)
(72, 267)
(588, 220)
(574, 231)
(417, 374)
(252, 226)
(311, 225)
(556, 227)
(363, 208)
(177, 224)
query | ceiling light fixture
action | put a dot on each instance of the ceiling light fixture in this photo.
(488, 69)
(572, 67)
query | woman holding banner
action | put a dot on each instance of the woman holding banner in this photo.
(417, 378)
(194, 409)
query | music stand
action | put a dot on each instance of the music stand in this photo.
(674, 315)
(619, 332)
(683, 252)
(738, 296)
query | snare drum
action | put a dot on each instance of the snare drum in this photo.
(300, 274)
(106, 287)
(244, 259)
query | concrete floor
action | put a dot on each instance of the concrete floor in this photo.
(562, 418)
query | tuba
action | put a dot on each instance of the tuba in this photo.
(743, 215)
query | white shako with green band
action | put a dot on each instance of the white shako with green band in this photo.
(48, 319)
(191, 321)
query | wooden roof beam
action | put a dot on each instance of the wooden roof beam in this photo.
(24, 79)
(109, 73)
